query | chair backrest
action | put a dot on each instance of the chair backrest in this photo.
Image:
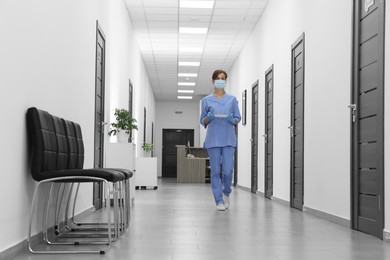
(75, 144)
(56, 143)
(62, 144)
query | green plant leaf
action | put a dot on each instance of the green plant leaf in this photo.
(124, 122)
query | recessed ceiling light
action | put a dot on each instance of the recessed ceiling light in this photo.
(197, 4)
(186, 83)
(187, 74)
(192, 30)
(190, 49)
(184, 97)
(189, 63)
(185, 91)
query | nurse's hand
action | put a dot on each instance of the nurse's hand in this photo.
(210, 116)
(231, 119)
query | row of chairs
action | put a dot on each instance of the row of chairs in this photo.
(57, 164)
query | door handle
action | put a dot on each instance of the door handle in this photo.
(291, 127)
(102, 124)
(265, 138)
(353, 108)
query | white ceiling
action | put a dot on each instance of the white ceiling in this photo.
(156, 24)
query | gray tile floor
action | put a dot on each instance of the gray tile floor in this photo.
(179, 222)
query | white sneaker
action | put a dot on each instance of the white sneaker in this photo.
(221, 207)
(227, 201)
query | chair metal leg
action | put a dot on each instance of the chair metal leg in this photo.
(107, 191)
(88, 233)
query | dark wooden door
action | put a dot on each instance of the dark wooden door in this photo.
(367, 118)
(297, 122)
(254, 136)
(171, 138)
(99, 112)
(268, 136)
(131, 106)
(152, 138)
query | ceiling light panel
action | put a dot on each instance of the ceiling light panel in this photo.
(190, 11)
(188, 63)
(193, 30)
(196, 4)
(186, 83)
(184, 97)
(186, 91)
(191, 75)
(190, 49)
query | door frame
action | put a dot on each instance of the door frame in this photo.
(253, 182)
(131, 99)
(268, 71)
(354, 158)
(97, 200)
(301, 39)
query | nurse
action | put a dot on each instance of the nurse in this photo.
(220, 115)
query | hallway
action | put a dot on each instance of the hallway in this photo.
(179, 222)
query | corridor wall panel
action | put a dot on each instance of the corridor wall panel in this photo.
(48, 61)
(327, 95)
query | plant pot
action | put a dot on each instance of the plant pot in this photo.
(122, 137)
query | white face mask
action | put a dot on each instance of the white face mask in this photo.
(219, 83)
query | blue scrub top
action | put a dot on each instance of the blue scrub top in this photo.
(220, 132)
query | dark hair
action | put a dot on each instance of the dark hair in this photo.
(217, 72)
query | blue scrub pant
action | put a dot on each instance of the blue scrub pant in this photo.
(226, 155)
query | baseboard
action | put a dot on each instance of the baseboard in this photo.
(386, 236)
(260, 193)
(320, 214)
(329, 217)
(22, 246)
(281, 201)
(243, 188)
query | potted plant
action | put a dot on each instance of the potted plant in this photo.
(123, 125)
(147, 147)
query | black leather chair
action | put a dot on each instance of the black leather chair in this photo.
(57, 159)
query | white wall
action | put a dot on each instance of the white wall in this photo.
(48, 61)
(327, 92)
(125, 62)
(167, 119)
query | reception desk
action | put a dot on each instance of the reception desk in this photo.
(192, 170)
